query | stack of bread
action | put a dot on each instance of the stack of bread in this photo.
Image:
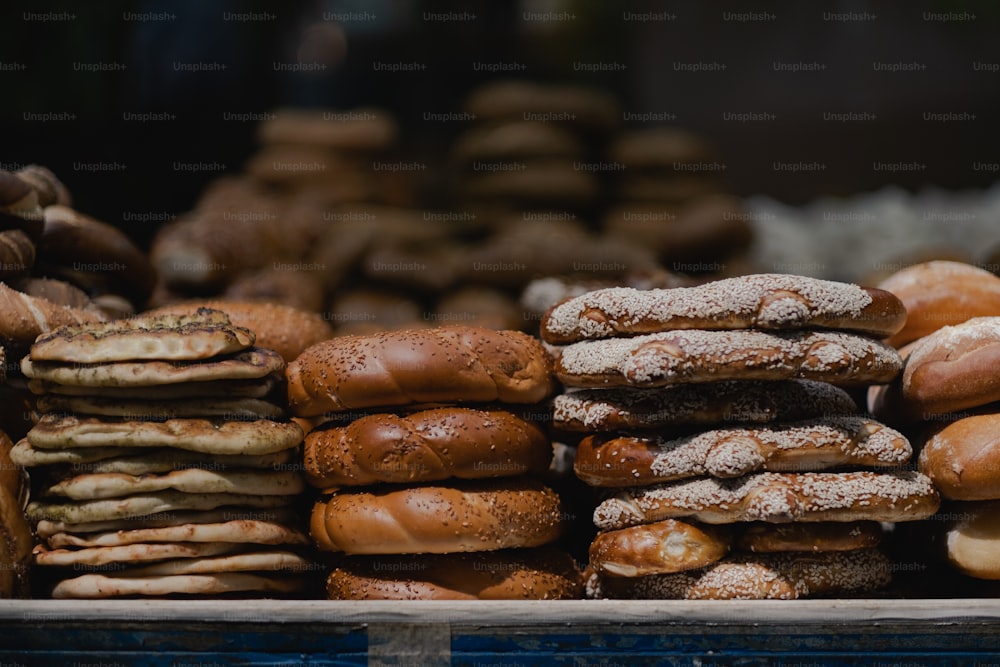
(669, 197)
(428, 465)
(162, 463)
(949, 394)
(57, 267)
(744, 472)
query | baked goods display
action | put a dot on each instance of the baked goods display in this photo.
(174, 483)
(710, 410)
(458, 481)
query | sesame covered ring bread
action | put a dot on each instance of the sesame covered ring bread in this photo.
(763, 301)
(446, 365)
(752, 401)
(776, 498)
(621, 460)
(672, 357)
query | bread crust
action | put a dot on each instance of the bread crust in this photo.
(662, 547)
(518, 574)
(480, 515)
(761, 301)
(963, 458)
(446, 365)
(426, 446)
(938, 294)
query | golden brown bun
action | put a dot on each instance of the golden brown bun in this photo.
(426, 446)
(938, 294)
(286, 330)
(71, 238)
(811, 537)
(450, 364)
(300, 289)
(480, 515)
(657, 548)
(974, 542)
(963, 458)
(954, 368)
(49, 188)
(519, 574)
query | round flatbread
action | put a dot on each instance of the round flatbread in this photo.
(240, 409)
(131, 553)
(134, 507)
(167, 392)
(258, 437)
(94, 486)
(200, 335)
(277, 515)
(250, 364)
(242, 532)
(92, 586)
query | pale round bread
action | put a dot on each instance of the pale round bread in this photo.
(763, 577)
(287, 330)
(279, 515)
(237, 409)
(709, 403)
(776, 498)
(673, 357)
(543, 573)
(657, 548)
(762, 301)
(24, 454)
(130, 553)
(449, 364)
(53, 432)
(938, 294)
(429, 445)
(94, 486)
(972, 541)
(147, 504)
(238, 531)
(251, 364)
(200, 335)
(808, 537)
(812, 445)
(480, 515)
(954, 368)
(95, 586)
(962, 458)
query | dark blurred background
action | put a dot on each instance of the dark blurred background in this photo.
(847, 85)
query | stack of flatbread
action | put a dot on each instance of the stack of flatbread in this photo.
(160, 463)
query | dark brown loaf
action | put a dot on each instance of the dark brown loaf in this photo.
(819, 444)
(17, 254)
(426, 446)
(954, 368)
(808, 537)
(15, 547)
(481, 515)
(963, 458)
(49, 188)
(451, 364)
(521, 574)
(938, 294)
(657, 548)
(74, 239)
